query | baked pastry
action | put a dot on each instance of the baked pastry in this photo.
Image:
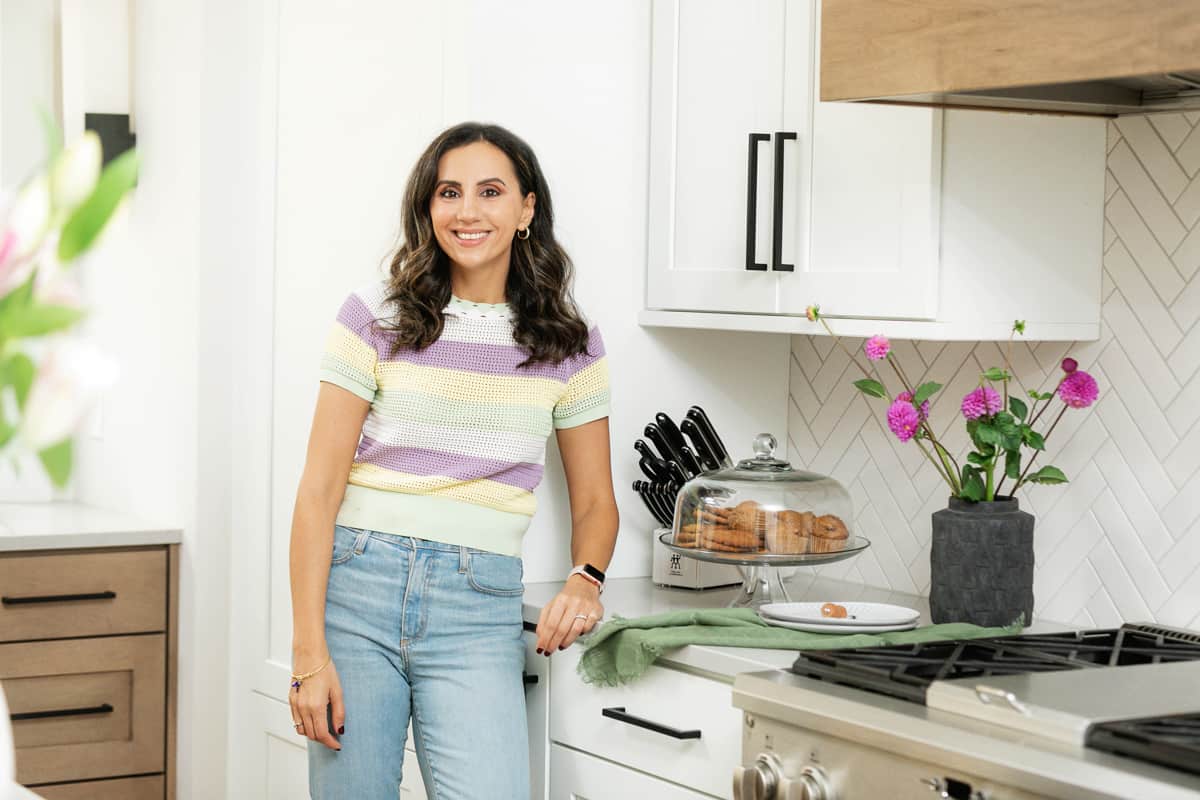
(687, 535)
(746, 516)
(829, 534)
(790, 532)
(728, 540)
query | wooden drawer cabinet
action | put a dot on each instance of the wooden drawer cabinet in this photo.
(49, 596)
(149, 788)
(87, 651)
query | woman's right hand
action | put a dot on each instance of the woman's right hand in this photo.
(309, 704)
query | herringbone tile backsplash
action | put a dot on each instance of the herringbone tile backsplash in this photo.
(1121, 541)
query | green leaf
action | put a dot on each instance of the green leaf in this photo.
(1049, 475)
(868, 386)
(57, 461)
(1032, 438)
(978, 459)
(973, 488)
(995, 374)
(1018, 326)
(18, 372)
(37, 320)
(1012, 464)
(986, 434)
(86, 222)
(19, 297)
(924, 392)
(1017, 406)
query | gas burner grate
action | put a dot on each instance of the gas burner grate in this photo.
(1170, 741)
(905, 671)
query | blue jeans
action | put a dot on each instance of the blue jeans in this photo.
(429, 632)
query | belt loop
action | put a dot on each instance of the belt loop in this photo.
(360, 542)
(463, 558)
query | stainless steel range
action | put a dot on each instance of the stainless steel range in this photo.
(1109, 713)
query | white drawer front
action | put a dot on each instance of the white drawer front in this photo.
(578, 776)
(662, 696)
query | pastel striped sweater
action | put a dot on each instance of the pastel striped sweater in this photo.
(455, 440)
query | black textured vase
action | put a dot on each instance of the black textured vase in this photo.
(982, 563)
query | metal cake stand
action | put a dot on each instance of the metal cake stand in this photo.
(762, 582)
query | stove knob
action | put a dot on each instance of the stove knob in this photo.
(811, 785)
(758, 782)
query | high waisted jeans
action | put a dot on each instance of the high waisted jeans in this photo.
(429, 632)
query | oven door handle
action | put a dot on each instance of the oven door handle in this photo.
(618, 713)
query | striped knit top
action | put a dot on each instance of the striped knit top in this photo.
(455, 440)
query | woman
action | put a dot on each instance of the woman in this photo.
(439, 390)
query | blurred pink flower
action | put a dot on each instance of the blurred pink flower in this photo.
(903, 419)
(1069, 365)
(980, 402)
(907, 397)
(1078, 389)
(877, 348)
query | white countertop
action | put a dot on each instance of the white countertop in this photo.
(17, 792)
(636, 597)
(56, 526)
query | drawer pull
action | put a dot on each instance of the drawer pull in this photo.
(58, 598)
(103, 708)
(618, 713)
(530, 679)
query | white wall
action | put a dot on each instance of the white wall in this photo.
(28, 79)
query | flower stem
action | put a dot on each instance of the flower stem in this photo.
(1053, 425)
(837, 341)
(939, 467)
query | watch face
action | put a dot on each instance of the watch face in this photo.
(595, 573)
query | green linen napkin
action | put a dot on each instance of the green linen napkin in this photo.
(622, 649)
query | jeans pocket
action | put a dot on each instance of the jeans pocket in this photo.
(347, 543)
(492, 573)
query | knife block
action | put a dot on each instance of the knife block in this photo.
(673, 569)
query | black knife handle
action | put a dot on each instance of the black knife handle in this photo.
(752, 201)
(655, 435)
(58, 598)
(103, 708)
(677, 474)
(691, 464)
(703, 448)
(651, 500)
(647, 468)
(696, 414)
(670, 431)
(618, 713)
(777, 215)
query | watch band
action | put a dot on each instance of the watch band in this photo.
(589, 573)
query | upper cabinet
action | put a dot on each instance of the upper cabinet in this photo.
(906, 220)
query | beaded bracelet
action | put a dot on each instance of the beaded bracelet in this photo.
(297, 679)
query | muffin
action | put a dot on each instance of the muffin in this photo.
(829, 534)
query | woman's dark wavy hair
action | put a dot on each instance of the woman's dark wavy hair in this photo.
(547, 323)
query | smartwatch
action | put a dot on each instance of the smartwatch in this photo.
(589, 573)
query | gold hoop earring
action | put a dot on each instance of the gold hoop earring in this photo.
(524, 231)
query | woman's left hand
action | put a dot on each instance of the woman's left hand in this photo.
(573, 611)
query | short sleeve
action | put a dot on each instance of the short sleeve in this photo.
(351, 350)
(587, 394)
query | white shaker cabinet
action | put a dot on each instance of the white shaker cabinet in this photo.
(760, 202)
(907, 221)
(579, 776)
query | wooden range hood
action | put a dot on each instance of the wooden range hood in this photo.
(1100, 57)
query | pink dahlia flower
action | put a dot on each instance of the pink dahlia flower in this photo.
(903, 419)
(877, 348)
(907, 397)
(1078, 389)
(1069, 365)
(983, 401)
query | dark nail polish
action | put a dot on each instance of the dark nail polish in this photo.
(561, 647)
(539, 651)
(341, 730)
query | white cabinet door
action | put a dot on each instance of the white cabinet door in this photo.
(716, 77)
(579, 776)
(861, 207)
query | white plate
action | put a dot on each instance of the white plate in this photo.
(814, 627)
(870, 614)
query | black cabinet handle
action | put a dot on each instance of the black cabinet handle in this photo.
(752, 200)
(529, 678)
(777, 218)
(103, 708)
(618, 713)
(57, 598)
